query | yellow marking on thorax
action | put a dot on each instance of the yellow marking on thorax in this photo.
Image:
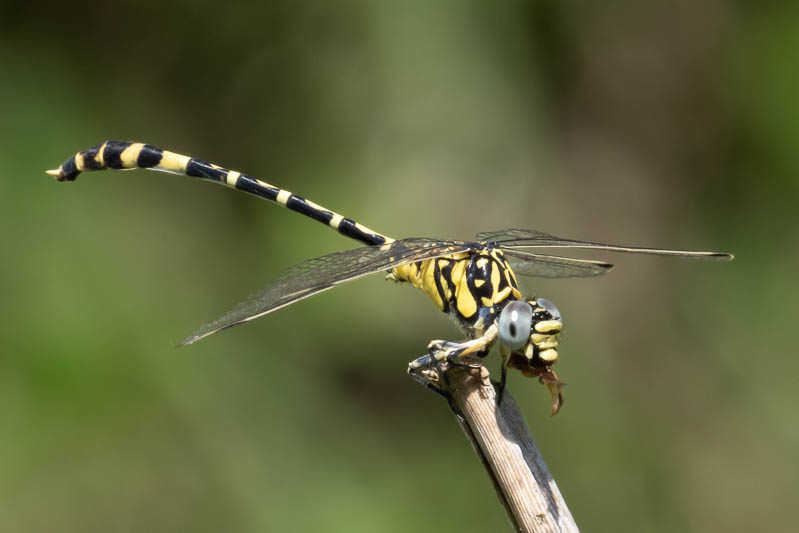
(467, 306)
(423, 276)
(499, 296)
(457, 274)
(464, 300)
(495, 278)
(428, 271)
(442, 264)
(130, 155)
(510, 277)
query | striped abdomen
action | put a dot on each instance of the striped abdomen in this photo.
(124, 155)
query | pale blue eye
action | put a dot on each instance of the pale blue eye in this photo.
(549, 307)
(515, 322)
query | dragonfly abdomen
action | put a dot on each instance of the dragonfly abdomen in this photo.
(127, 155)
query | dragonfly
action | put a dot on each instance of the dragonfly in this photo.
(473, 281)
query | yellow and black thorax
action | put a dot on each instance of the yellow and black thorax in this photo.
(473, 286)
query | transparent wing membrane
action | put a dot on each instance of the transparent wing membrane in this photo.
(316, 275)
(319, 274)
(512, 239)
(552, 266)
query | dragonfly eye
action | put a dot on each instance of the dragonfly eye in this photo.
(549, 307)
(515, 322)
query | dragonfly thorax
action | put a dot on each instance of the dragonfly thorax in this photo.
(473, 285)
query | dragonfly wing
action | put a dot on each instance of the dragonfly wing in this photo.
(553, 266)
(512, 239)
(504, 235)
(319, 274)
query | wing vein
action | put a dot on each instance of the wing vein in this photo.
(319, 274)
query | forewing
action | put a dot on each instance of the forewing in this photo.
(553, 266)
(319, 274)
(512, 239)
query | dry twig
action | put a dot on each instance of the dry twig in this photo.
(502, 441)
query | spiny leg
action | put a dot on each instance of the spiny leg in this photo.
(504, 379)
(425, 370)
(453, 353)
(426, 376)
(429, 372)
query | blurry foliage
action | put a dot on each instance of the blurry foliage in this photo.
(670, 124)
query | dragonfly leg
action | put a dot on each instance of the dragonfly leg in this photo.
(428, 370)
(426, 377)
(502, 382)
(454, 353)
(464, 353)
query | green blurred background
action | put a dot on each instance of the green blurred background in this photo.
(666, 125)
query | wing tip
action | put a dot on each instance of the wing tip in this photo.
(713, 256)
(202, 333)
(185, 342)
(194, 337)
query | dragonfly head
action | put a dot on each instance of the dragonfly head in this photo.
(531, 331)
